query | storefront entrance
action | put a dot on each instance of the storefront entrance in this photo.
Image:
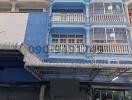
(100, 94)
(19, 93)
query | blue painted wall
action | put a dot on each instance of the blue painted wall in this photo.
(36, 38)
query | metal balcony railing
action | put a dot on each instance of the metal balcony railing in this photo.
(95, 48)
(68, 18)
(67, 48)
(111, 48)
(107, 18)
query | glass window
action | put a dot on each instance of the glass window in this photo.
(91, 9)
(117, 8)
(79, 40)
(71, 40)
(120, 35)
(110, 35)
(128, 95)
(101, 61)
(71, 36)
(99, 35)
(79, 36)
(62, 40)
(91, 35)
(108, 7)
(63, 36)
(55, 36)
(98, 8)
(54, 40)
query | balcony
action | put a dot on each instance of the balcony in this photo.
(67, 48)
(68, 18)
(111, 12)
(107, 18)
(94, 48)
(110, 48)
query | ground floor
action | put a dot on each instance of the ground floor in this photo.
(86, 92)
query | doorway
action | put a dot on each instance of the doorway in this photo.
(109, 94)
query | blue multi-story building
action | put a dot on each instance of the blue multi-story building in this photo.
(84, 40)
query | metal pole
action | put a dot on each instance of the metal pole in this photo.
(42, 92)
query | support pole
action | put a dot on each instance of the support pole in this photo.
(13, 2)
(42, 92)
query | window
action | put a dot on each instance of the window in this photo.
(55, 36)
(125, 62)
(55, 40)
(62, 40)
(91, 9)
(65, 43)
(79, 40)
(102, 61)
(113, 62)
(98, 8)
(108, 7)
(120, 35)
(110, 35)
(99, 35)
(91, 35)
(5, 10)
(71, 40)
(30, 10)
(117, 8)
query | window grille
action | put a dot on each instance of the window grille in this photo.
(104, 8)
(117, 8)
(108, 7)
(67, 43)
(98, 8)
(108, 35)
(109, 40)
(109, 31)
(120, 35)
(99, 35)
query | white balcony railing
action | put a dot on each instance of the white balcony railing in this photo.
(67, 48)
(94, 48)
(111, 48)
(107, 18)
(68, 18)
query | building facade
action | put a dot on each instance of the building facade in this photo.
(84, 40)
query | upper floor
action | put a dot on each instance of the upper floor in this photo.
(74, 27)
(89, 12)
(73, 12)
(81, 32)
(10, 6)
